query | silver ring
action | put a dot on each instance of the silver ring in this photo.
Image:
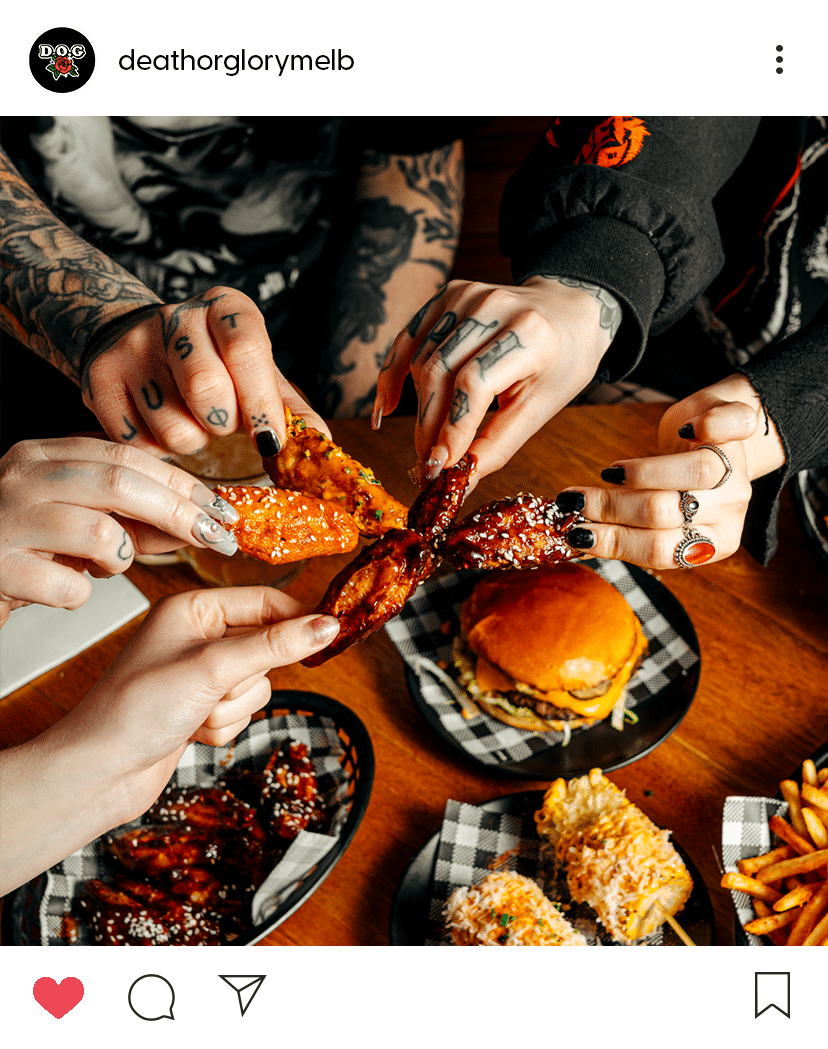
(728, 468)
(705, 549)
(689, 506)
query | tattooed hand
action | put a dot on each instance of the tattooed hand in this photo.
(76, 504)
(161, 377)
(532, 347)
(166, 378)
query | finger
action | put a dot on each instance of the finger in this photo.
(455, 387)
(78, 532)
(405, 346)
(235, 708)
(121, 419)
(649, 547)
(701, 468)
(165, 415)
(196, 364)
(509, 428)
(41, 581)
(635, 507)
(240, 335)
(220, 737)
(112, 487)
(723, 421)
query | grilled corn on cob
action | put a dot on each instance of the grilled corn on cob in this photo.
(616, 859)
(507, 909)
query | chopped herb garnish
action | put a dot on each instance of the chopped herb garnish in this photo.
(347, 470)
(648, 793)
(378, 514)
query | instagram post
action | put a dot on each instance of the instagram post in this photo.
(414, 520)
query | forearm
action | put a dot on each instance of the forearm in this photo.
(56, 795)
(400, 250)
(56, 290)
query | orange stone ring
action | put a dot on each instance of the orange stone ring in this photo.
(694, 549)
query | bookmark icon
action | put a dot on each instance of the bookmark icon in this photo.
(245, 988)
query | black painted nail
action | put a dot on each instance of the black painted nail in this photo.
(614, 474)
(267, 443)
(571, 502)
(687, 432)
(581, 538)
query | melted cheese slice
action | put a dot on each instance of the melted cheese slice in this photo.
(492, 679)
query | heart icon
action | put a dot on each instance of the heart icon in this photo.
(58, 998)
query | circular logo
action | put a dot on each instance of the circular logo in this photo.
(62, 60)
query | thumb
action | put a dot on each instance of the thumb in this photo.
(248, 653)
(707, 419)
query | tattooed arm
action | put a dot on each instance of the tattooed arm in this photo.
(57, 290)
(532, 347)
(163, 378)
(399, 250)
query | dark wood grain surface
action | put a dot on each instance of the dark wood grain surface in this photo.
(761, 705)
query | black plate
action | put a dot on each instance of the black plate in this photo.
(18, 930)
(809, 495)
(601, 746)
(409, 907)
(820, 759)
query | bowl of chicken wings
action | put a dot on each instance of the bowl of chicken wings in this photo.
(239, 839)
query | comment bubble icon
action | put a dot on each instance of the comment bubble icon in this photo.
(151, 997)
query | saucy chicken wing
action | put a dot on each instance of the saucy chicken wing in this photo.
(311, 463)
(522, 532)
(373, 588)
(280, 527)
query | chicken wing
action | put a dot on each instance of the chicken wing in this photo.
(279, 526)
(521, 532)
(311, 463)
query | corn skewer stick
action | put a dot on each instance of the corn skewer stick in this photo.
(677, 929)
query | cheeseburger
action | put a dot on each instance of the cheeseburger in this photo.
(547, 649)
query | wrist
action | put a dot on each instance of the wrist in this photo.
(595, 312)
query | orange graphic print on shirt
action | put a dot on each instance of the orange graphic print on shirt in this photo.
(615, 141)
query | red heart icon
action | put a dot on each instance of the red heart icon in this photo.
(58, 998)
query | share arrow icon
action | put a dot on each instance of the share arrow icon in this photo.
(245, 988)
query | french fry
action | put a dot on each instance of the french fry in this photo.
(782, 829)
(816, 828)
(752, 864)
(817, 798)
(797, 865)
(753, 887)
(797, 897)
(788, 885)
(790, 792)
(809, 916)
(818, 937)
(772, 923)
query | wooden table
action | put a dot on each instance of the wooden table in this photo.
(761, 705)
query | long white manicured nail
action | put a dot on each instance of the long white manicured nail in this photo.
(209, 533)
(219, 509)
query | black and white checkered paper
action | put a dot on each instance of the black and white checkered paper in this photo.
(745, 832)
(419, 632)
(473, 842)
(202, 766)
